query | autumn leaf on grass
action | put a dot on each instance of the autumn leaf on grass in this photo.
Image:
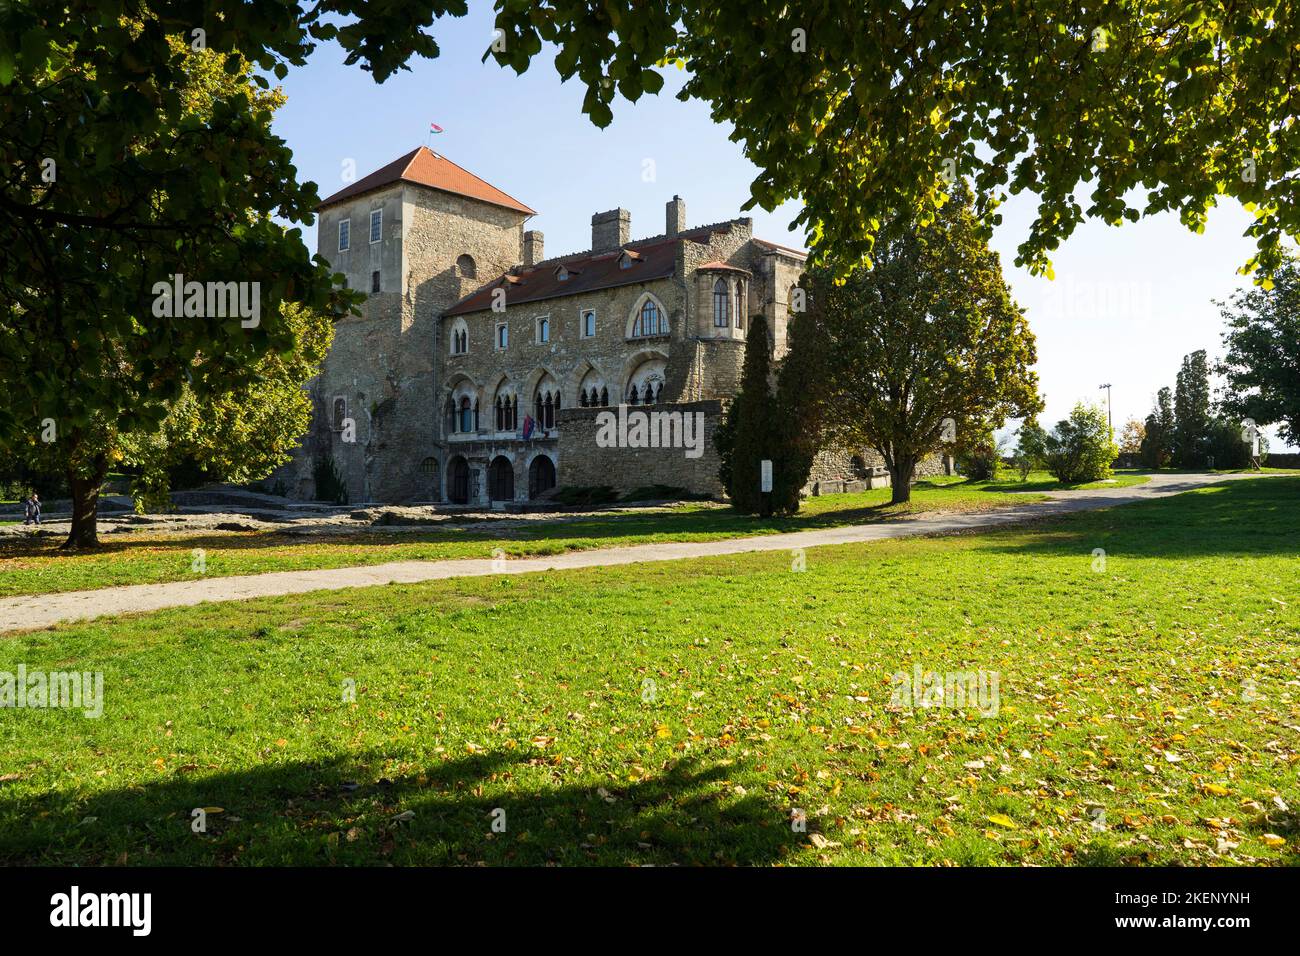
(1217, 789)
(1272, 839)
(1002, 820)
(541, 741)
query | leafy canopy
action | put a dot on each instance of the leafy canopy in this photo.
(1109, 110)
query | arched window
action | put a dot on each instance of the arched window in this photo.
(466, 267)
(582, 399)
(466, 415)
(501, 421)
(604, 396)
(459, 338)
(632, 396)
(742, 305)
(650, 320)
(721, 304)
(451, 415)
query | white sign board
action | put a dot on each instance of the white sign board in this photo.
(765, 472)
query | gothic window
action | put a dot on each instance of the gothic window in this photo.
(340, 412)
(721, 304)
(466, 415)
(451, 415)
(650, 320)
(466, 267)
(543, 330)
(604, 396)
(741, 304)
(588, 324)
(632, 396)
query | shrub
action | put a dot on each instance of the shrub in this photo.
(1080, 448)
(662, 493)
(978, 456)
(585, 496)
(330, 485)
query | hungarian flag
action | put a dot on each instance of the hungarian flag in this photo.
(528, 427)
(435, 128)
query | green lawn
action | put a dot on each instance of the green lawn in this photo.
(36, 566)
(682, 712)
(1008, 480)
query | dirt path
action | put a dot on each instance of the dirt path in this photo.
(22, 613)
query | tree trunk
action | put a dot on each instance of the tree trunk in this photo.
(901, 471)
(85, 503)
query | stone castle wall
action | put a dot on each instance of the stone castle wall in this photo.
(587, 464)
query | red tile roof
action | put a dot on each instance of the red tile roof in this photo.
(653, 258)
(427, 168)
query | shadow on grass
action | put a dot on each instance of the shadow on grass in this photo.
(312, 814)
(1242, 518)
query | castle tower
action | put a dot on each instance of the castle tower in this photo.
(416, 235)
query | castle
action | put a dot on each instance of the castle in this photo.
(478, 369)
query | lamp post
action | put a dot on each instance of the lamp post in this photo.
(1110, 423)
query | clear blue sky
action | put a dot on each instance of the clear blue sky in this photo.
(1126, 305)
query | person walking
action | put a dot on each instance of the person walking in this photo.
(27, 511)
(35, 504)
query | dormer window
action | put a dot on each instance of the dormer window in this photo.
(562, 274)
(628, 259)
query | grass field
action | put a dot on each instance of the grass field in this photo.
(686, 712)
(36, 566)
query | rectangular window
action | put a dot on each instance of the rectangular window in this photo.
(374, 281)
(503, 336)
(376, 225)
(543, 330)
(588, 324)
(345, 237)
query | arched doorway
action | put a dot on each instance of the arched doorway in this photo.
(429, 477)
(458, 481)
(501, 479)
(541, 476)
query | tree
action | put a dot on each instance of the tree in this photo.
(753, 431)
(1111, 111)
(1157, 449)
(1130, 442)
(928, 334)
(1031, 448)
(1192, 412)
(138, 164)
(1080, 448)
(239, 434)
(1262, 364)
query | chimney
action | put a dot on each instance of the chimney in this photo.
(532, 248)
(610, 230)
(675, 216)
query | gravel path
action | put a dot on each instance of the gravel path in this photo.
(23, 613)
